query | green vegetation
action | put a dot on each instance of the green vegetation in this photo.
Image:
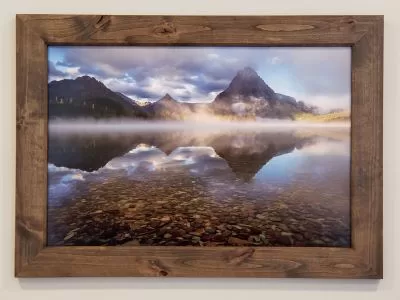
(329, 117)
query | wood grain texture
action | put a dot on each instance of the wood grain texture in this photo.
(363, 33)
(197, 261)
(199, 30)
(366, 150)
(31, 164)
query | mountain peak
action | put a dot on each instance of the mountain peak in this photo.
(167, 97)
(86, 78)
(91, 81)
(247, 72)
(247, 84)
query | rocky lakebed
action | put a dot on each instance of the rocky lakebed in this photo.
(200, 189)
(177, 211)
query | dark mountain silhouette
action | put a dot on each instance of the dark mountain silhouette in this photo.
(168, 108)
(87, 97)
(245, 86)
(86, 152)
(285, 99)
(126, 98)
(246, 154)
(249, 95)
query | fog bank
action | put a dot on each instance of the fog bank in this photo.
(132, 126)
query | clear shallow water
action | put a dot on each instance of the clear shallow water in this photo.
(275, 187)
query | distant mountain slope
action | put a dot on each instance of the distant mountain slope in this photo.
(87, 97)
(168, 108)
(247, 84)
(285, 99)
(126, 98)
(249, 95)
(338, 116)
(246, 97)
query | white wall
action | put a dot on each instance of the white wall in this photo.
(170, 288)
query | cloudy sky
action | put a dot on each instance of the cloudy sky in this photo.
(317, 76)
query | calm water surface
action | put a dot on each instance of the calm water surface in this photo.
(280, 187)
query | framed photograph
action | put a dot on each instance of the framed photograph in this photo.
(199, 146)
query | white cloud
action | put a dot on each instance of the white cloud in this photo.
(275, 60)
(71, 71)
(213, 56)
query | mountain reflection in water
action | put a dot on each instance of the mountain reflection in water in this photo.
(229, 187)
(244, 152)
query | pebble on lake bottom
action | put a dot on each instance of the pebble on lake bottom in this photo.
(177, 212)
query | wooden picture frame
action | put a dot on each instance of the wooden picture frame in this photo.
(363, 33)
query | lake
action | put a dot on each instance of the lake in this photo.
(185, 186)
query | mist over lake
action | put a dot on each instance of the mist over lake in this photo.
(255, 185)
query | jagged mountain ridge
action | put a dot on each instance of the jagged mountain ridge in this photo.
(167, 108)
(126, 98)
(245, 85)
(246, 96)
(87, 97)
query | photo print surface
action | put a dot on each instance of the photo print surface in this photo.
(199, 146)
